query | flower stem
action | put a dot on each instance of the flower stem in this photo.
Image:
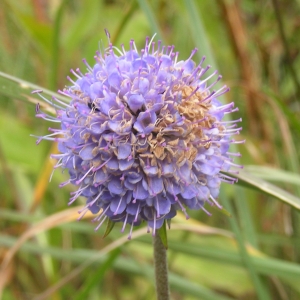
(161, 269)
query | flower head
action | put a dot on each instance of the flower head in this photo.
(143, 136)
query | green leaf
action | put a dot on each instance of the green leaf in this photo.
(97, 277)
(148, 11)
(274, 174)
(126, 265)
(18, 147)
(37, 32)
(248, 180)
(222, 210)
(260, 287)
(162, 232)
(198, 32)
(110, 225)
(83, 26)
(264, 265)
(291, 117)
(20, 89)
(55, 53)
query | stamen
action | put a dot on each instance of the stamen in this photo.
(154, 224)
(203, 71)
(153, 48)
(64, 183)
(116, 212)
(238, 142)
(71, 80)
(208, 97)
(95, 200)
(130, 233)
(124, 224)
(134, 46)
(158, 48)
(146, 45)
(222, 91)
(234, 165)
(107, 35)
(214, 83)
(60, 102)
(87, 65)
(48, 118)
(75, 74)
(232, 121)
(194, 51)
(171, 50)
(37, 92)
(76, 194)
(82, 213)
(123, 49)
(66, 93)
(98, 168)
(79, 72)
(131, 48)
(183, 209)
(234, 154)
(85, 175)
(157, 203)
(99, 225)
(193, 93)
(215, 202)
(102, 214)
(137, 213)
(208, 213)
(176, 57)
(224, 107)
(206, 79)
(50, 102)
(233, 110)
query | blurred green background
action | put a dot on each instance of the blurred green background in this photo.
(254, 254)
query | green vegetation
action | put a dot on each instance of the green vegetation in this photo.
(252, 254)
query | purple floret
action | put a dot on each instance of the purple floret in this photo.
(143, 136)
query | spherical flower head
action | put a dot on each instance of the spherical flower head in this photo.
(143, 135)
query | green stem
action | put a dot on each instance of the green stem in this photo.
(122, 25)
(286, 46)
(161, 269)
(55, 45)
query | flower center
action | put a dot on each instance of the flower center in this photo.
(178, 135)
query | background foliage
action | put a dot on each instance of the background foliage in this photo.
(254, 254)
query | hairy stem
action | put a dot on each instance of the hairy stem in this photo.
(161, 269)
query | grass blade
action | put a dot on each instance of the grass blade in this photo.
(248, 180)
(146, 8)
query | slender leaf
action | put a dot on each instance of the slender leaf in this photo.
(251, 181)
(274, 174)
(17, 88)
(146, 8)
(126, 265)
(162, 231)
(199, 34)
(261, 290)
(96, 278)
(110, 225)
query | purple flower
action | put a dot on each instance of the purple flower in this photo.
(143, 135)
